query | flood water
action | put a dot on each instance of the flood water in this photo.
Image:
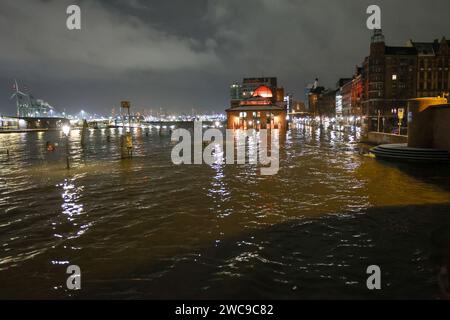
(145, 228)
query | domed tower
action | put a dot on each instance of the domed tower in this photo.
(263, 92)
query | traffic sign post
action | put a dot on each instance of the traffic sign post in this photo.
(401, 115)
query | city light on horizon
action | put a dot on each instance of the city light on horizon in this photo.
(216, 159)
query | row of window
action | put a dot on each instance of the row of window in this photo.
(429, 86)
(426, 63)
(256, 115)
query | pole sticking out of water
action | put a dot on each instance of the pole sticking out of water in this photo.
(83, 132)
(129, 142)
(67, 153)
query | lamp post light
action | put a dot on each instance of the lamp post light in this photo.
(66, 131)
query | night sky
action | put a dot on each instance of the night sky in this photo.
(180, 54)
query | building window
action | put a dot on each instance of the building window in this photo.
(394, 77)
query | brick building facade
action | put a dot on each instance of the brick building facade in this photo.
(393, 75)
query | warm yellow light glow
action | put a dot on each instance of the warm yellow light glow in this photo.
(66, 129)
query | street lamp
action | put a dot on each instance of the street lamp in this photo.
(66, 131)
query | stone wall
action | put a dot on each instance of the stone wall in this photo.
(441, 127)
(429, 123)
(378, 138)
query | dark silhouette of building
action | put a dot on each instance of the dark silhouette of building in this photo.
(389, 75)
(326, 104)
(433, 61)
(393, 75)
(313, 94)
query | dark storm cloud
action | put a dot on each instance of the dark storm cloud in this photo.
(183, 54)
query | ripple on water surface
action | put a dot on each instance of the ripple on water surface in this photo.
(147, 228)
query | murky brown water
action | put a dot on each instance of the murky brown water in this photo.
(144, 228)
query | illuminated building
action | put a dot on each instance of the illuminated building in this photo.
(349, 96)
(249, 85)
(299, 107)
(313, 94)
(326, 103)
(236, 91)
(289, 103)
(393, 75)
(346, 91)
(433, 61)
(340, 112)
(356, 94)
(262, 110)
(389, 75)
(339, 103)
(235, 94)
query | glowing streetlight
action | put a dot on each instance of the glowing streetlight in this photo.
(66, 129)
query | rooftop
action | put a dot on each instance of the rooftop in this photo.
(400, 51)
(256, 108)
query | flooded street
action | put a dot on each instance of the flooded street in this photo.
(145, 228)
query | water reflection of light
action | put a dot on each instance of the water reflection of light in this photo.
(70, 197)
(351, 138)
(333, 138)
(317, 134)
(289, 137)
(358, 133)
(252, 149)
(72, 209)
(219, 191)
(218, 154)
(74, 134)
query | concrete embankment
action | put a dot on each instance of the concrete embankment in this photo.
(25, 130)
(377, 138)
